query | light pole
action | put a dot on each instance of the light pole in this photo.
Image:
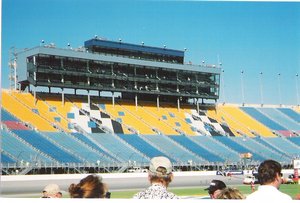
(261, 88)
(279, 90)
(297, 90)
(242, 87)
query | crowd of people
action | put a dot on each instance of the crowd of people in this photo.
(160, 175)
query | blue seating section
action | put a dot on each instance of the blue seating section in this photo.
(261, 149)
(20, 150)
(262, 118)
(267, 144)
(143, 146)
(80, 149)
(118, 147)
(38, 141)
(295, 140)
(290, 113)
(280, 118)
(239, 148)
(285, 145)
(6, 116)
(173, 149)
(6, 159)
(197, 149)
(93, 145)
(217, 148)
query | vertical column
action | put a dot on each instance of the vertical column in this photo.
(113, 99)
(178, 104)
(157, 102)
(62, 97)
(136, 102)
(34, 94)
(89, 98)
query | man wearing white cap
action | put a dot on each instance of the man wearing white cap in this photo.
(52, 191)
(160, 175)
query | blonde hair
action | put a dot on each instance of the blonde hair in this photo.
(230, 193)
(89, 187)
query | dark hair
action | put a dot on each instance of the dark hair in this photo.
(161, 176)
(89, 187)
(267, 171)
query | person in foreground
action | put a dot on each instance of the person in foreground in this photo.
(230, 193)
(89, 187)
(215, 188)
(160, 176)
(269, 177)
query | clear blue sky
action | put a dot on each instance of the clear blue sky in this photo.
(250, 36)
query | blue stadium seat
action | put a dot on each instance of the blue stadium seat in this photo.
(262, 118)
(197, 149)
(173, 149)
(217, 148)
(44, 145)
(79, 148)
(143, 146)
(239, 148)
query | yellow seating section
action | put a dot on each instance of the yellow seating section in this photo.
(43, 107)
(154, 116)
(237, 120)
(142, 118)
(131, 117)
(179, 117)
(62, 109)
(23, 112)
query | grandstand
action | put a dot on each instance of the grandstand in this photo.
(139, 102)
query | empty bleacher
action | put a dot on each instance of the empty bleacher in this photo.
(261, 149)
(46, 146)
(285, 145)
(240, 148)
(173, 149)
(6, 159)
(217, 148)
(20, 149)
(118, 147)
(282, 119)
(25, 113)
(197, 149)
(290, 113)
(259, 116)
(142, 145)
(79, 148)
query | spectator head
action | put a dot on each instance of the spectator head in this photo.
(269, 173)
(89, 187)
(52, 191)
(230, 193)
(215, 188)
(160, 170)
